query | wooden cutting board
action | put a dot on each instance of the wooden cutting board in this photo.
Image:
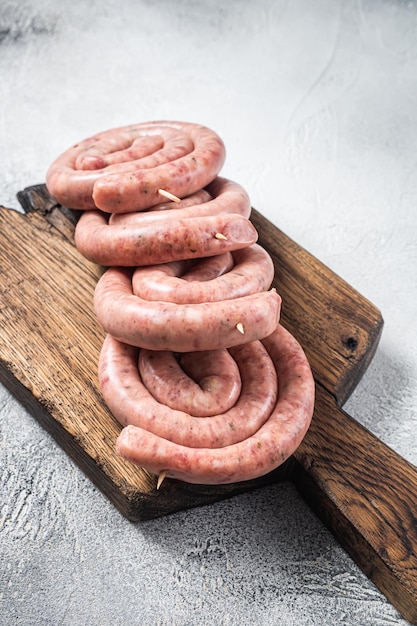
(49, 345)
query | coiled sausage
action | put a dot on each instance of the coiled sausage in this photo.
(120, 170)
(199, 383)
(220, 196)
(157, 236)
(255, 456)
(131, 402)
(161, 241)
(181, 327)
(252, 272)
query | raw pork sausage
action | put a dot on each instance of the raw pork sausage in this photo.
(161, 241)
(130, 239)
(181, 327)
(120, 170)
(220, 196)
(255, 456)
(252, 272)
(132, 403)
(199, 197)
(200, 383)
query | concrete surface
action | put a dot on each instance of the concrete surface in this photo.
(317, 104)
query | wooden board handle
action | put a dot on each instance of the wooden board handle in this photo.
(338, 328)
(366, 494)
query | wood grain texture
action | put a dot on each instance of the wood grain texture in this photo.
(367, 495)
(49, 346)
(338, 328)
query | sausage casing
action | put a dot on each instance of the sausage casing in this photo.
(181, 327)
(255, 456)
(131, 402)
(120, 170)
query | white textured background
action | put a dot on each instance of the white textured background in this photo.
(317, 104)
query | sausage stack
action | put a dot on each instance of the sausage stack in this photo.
(208, 386)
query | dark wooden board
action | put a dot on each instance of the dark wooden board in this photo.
(49, 346)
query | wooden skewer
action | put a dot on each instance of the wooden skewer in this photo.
(161, 478)
(220, 236)
(169, 195)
